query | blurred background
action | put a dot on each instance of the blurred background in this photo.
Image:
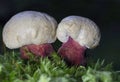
(105, 13)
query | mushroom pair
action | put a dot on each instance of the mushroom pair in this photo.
(34, 31)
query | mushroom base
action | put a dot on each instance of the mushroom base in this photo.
(37, 50)
(72, 52)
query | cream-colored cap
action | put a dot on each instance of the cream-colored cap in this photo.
(81, 29)
(29, 27)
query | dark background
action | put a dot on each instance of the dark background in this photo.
(106, 14)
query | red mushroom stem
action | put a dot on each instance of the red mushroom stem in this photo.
(72, 52)
(41, 50)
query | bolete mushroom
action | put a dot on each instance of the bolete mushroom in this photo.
(31, 31)
(77, 34)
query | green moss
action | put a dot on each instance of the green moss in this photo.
(52, 69)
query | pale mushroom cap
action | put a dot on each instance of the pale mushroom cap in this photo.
(29, 27)
(81, 29)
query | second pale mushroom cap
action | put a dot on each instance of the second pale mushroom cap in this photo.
(29, 27)
(80, 29)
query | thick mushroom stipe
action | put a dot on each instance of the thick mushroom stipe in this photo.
(72, 52)
(42, 50)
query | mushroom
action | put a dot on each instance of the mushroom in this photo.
(31, 31)
(77, 34)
